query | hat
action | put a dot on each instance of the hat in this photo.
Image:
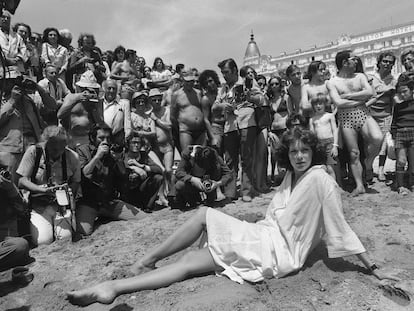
(88, 79)
(155, 92)
(139, 94)
(188, 75)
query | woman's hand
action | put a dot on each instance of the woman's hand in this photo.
(386, 274)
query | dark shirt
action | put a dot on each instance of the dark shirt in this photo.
(403, 115)
(134, 180)
(187, 168)
(105, 182)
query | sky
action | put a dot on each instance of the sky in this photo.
(200, 33)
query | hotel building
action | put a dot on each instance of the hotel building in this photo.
(366, 45)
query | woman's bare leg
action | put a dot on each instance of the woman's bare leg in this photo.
(193, 263)
(186, 235)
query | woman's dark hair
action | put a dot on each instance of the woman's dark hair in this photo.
(359, 67)
(29, 30)
(261, 77)
(405, 79)
(155, 62)
(314, 67)
(306, 137)
(207, 74)
(118, 49)
(244, 69)
(46, 34)
(385, 54)
(270, 94)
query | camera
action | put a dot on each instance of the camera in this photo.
(26, 84)
(207, 183)
(116, 148)
(5, 173)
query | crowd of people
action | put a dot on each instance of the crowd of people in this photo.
(86, 133)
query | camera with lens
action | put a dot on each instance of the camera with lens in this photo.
(26, 84)
(207, 183)
(5, 173)
(116, 148)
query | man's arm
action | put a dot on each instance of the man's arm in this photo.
(336, 98)
(70, 101)
(205, 106)
(365, 94)
(7, 109)
(304, 99)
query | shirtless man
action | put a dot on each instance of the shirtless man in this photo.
(213, 118)
(164, 147)
(295, 89)
(187, 112)
(350, 91)
(79, 111)
(126, 71)
(316, 85)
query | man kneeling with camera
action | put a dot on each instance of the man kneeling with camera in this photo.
(200, 174)
(103, 177)
(50, 171)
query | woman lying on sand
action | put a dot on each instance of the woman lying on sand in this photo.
(306, 208)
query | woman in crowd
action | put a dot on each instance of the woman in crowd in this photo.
(119, 56)
(281, 108)
(306, 207)
(53, 52)
(160, 75)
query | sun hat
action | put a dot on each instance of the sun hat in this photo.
(155, 92)
(88, 80)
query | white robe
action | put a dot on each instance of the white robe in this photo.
(295, 223)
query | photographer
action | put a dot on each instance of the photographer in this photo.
(21, 120)
(14, 251)
(145, 177)
(102, 181)
(51, 173)
(79, 112)
(201, 170)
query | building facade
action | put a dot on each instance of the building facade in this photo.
(366, 45)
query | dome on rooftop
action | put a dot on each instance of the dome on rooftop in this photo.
(252, 50)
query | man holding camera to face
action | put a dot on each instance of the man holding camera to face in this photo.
(102, 181)
(200, 174)
(79, 111)
(21, 119)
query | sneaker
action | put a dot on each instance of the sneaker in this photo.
(403, 191)
(247, 198)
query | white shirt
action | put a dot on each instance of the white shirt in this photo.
(109, 111)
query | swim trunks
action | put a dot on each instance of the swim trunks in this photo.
(353, 118)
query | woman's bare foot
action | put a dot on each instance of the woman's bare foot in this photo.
(139, 268)
(357, 191)
(103, 293)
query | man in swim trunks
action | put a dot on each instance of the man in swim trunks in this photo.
(350, 91)
(186, 111)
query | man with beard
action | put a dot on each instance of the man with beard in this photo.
(350, 91)
(186, 112)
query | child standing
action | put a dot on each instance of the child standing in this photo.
(323, 124)
(402, 130)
